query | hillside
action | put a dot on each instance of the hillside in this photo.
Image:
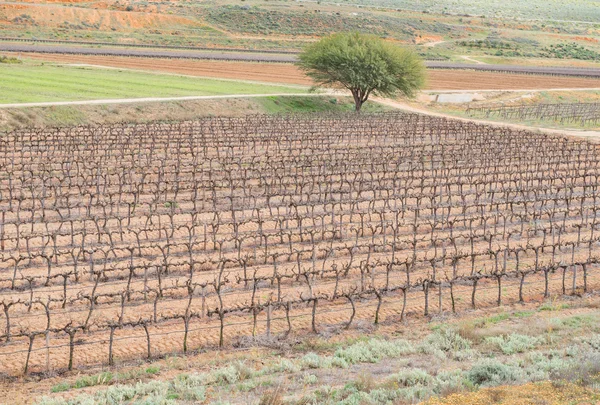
(511, 30)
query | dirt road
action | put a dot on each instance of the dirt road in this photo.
(591, 135)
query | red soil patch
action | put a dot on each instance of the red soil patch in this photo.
(423, 39)
(53, 16)
(586, 39)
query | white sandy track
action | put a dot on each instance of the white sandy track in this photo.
(477, 62)
(387, 102)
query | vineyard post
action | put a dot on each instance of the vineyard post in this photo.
(31, 337)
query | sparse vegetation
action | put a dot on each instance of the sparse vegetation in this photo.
(570, 51)
(515, 343)
(577, 363)
(10, 60)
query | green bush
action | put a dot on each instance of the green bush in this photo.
(373, 350)
(314, 361)
(61, 387)
(411, 377)
(10, 60)
(446, 341)
(515, 343)
(490, 372)
(570, 51)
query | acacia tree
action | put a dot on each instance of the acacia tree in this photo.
(364, 64)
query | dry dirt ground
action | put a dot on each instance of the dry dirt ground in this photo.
(285, 73)
(104, 20)
(166, 336)
(26, 390)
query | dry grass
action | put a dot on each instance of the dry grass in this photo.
(528, 394)
(272, 397)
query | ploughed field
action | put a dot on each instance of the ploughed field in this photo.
(438, 79)
(128, 241)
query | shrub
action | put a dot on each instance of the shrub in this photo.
(593, 342)
(310, 379)
(448, 382)
(586, 371)
(187, 387)
(411, 377)
(365, 382)
(61, 387)
(225, 375)
(10, 60)
(489, 372)
(90, 381)
(153, 370)
(313, 360)
(447, 341)
(116, 394)
(543, 365)
(284, 365)
(373, 351)
(515, 343)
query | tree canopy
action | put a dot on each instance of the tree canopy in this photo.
(364, 64)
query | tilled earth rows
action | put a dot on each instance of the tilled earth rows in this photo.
(116, 240)
(287, 73)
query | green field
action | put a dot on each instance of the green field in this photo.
(25, 83)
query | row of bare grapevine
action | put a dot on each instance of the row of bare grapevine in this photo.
(582, 113)
(124, 240)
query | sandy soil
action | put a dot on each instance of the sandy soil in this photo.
(55, 16)
(167, 335)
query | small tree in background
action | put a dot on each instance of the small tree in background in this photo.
(363, 64)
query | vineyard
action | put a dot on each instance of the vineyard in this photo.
(581, 113)
(129, 241)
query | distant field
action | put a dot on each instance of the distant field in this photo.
(287, 73)
(38, 83)
(551, 31)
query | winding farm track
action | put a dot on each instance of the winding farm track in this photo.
(274, 58)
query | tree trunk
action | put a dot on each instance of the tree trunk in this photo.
(357, 105)
(358, 101)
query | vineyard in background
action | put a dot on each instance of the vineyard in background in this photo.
(286, 57)
(127, 241)
(580, 113)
